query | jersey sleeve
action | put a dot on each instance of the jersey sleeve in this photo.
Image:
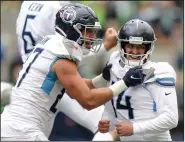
(164, 95)
(97, 61)
(102, 51)
(99, 81)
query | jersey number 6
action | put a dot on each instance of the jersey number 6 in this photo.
(26, 33)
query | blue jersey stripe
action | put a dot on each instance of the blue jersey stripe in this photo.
(50, 79)
(169, 81)
(154, 107)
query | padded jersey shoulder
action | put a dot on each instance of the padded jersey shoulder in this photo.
(164, 74)
(62, 48)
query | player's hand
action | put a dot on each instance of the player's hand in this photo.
(110, 40)
(124, 128)
(134, 76)
(103, 126)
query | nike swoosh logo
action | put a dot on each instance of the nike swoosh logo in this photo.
(134, 77)
(168, 93)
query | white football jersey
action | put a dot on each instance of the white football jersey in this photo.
(37, 91)
(143, 102)
(36, 19)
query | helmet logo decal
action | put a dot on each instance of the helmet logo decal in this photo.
(97, 24)
(68, 15)
(135, 40)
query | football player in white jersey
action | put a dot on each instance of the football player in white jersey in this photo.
(36, 20)
(148, 111)
(51, 69)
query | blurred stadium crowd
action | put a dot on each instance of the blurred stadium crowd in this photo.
(166, 17)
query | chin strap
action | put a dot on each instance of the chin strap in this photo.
(58, 30)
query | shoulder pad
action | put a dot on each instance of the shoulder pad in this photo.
(74, 51)
(164, 74)
(65, 49)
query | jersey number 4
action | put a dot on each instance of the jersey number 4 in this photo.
(120, 106)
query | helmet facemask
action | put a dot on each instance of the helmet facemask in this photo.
(88, 39)
(142, 58)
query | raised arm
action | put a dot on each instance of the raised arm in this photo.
(76, 87)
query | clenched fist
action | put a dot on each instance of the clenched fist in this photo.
(124, 128)
(103, 126)
(110, 40)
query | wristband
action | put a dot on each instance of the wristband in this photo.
(118, 87)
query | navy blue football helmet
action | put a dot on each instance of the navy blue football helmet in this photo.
(79, 23)
(140, 32)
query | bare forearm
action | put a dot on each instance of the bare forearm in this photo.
(78, 89)
(99, 96)
(89, 83)
(89, 98)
